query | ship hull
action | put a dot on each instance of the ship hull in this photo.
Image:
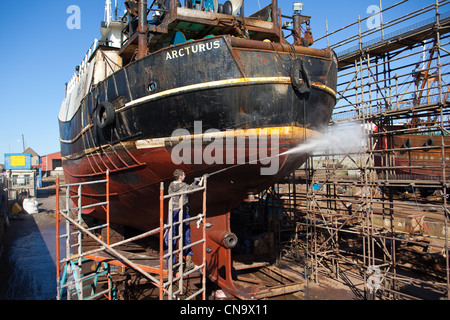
(224, 108)
(134, 190)
(416, 157)
(170, 94)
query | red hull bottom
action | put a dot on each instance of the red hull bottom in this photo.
(416, 157)
(135, 194)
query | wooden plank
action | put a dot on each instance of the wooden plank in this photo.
(237, 265)
(290, 275)
(279, 290)
(245, 278)
(149, 264)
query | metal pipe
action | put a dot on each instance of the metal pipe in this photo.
(224, 238)
(205, 179)
(143, 38)
(161, 240)
(58, 258)
(297, 31)
(269, 46)
(108, 228)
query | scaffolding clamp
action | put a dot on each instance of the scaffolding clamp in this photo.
(200, 218)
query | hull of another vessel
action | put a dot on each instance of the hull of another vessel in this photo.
(417, 156)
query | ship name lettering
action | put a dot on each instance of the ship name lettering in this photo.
(195, 48)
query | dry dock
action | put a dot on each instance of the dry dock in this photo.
(361, 221)
(28, 269)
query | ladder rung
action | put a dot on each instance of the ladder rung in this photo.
(95, 205)
(174, 252)
(98, 227)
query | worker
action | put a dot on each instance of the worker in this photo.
(178, 202)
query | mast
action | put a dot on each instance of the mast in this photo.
(142, 29)
(108, 13)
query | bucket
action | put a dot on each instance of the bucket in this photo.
(16, 208)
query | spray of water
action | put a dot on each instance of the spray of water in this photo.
(336, 139)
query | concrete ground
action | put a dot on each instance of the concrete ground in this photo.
(27, 263)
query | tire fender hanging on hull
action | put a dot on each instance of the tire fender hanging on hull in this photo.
(105, 115)
(300, 77)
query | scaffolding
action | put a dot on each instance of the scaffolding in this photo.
(174, 232)
(375, 214)
(69, 272)
(84, 273)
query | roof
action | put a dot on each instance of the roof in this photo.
(32, 152)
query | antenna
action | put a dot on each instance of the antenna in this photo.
(108, 13)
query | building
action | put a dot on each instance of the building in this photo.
(20, 175)
(51, 162)
(34, 157)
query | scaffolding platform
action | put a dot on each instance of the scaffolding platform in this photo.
(144, 261)
(148, 262)
(404, 38)
(164, 268)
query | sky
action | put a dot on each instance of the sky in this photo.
(40, 52)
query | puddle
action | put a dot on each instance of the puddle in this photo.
(28, 262)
